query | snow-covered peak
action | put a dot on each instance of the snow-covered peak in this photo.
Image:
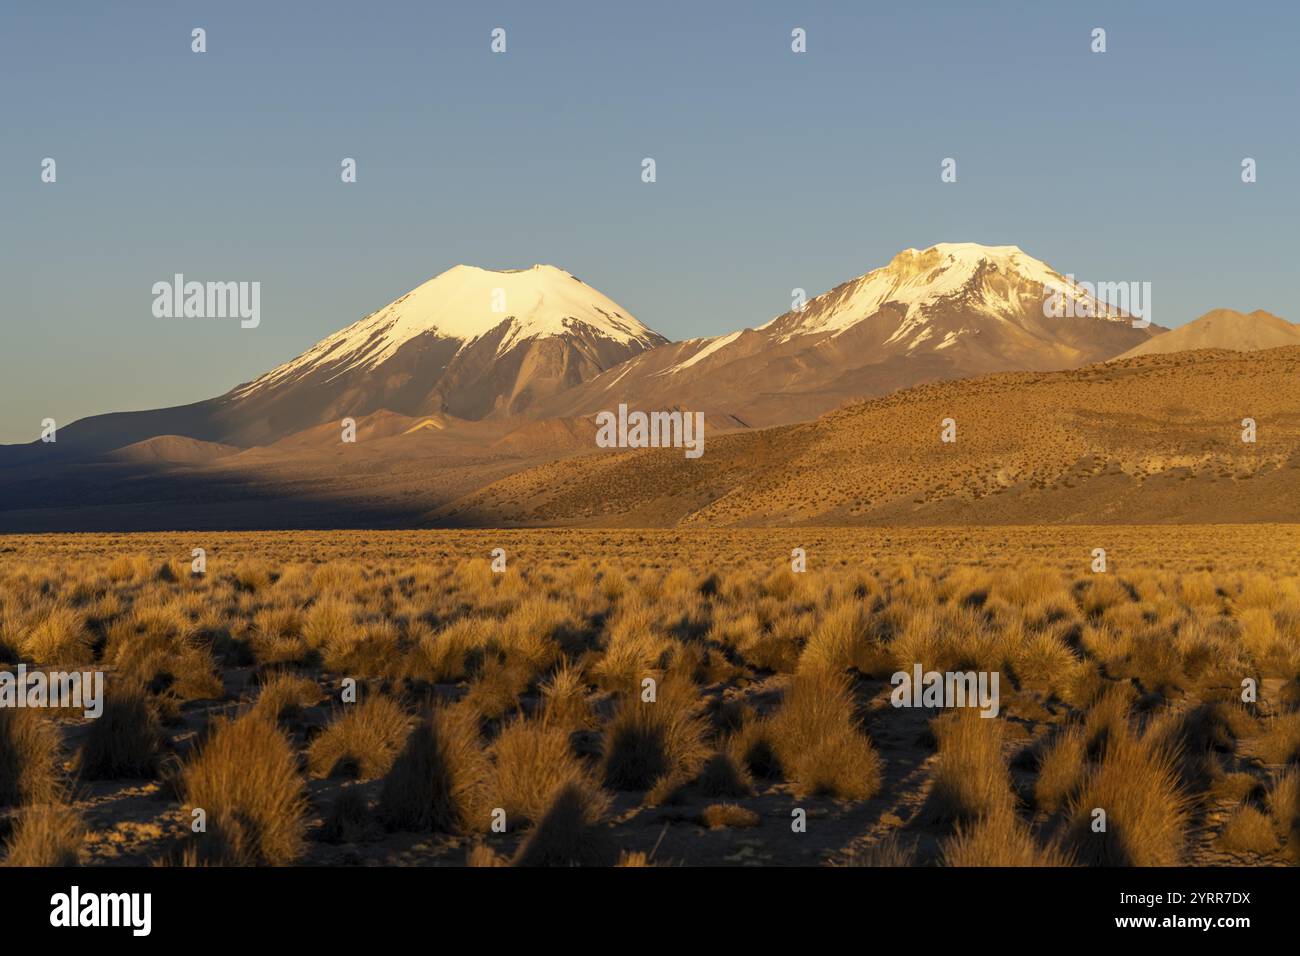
(465, 303)
(917, 279)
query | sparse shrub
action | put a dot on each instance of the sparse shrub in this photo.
(570, 832)
(29, 744)
(1248, 829)
(720, 815)
(123, 741)
(361, 742)
(647, 741)
(436, 783)
(1136, 784)
(531, 760)
(969, 780)
(817, 742)
(46, 834)
(245, 777)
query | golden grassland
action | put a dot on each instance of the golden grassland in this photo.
(500, 718)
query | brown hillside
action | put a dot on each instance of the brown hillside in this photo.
(1149, 440)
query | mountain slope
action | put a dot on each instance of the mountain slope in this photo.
(951, 311)
(1223, 329)
(471, 343)
(1149, 440)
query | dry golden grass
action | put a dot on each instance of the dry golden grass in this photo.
(437, 781)
(969, 780)
(998, 838)
(531, 760)
(29, 746)
(648, 741)
(817, 741)
(719, 815)
(570, 832)
(45, 834)
(124, 740)
(1249, 829)
(1136, 784)
(245, 778)
(361, 742)
(284, 696)
(1120, 691)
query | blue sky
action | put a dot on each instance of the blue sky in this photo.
(775, 170)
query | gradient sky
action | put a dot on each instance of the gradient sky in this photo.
(775, 170)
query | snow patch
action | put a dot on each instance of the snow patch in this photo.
(462, 304)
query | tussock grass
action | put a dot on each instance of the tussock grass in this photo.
(1249, 829)
(998, 838)
(361, 742)
(1124, 686)
(564, 697)
(29, 745)
(284, 696)
(570, 832)
(648, 741)
(969, 781)
(531, 760)
(817, 743)
(1281, 740)
(436, 784)
(123, 741)
(57, 638)
(1136, 783)
(245, 777)
(1062, 769)
(46, 834)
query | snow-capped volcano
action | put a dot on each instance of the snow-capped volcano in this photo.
(467, 304)
(992, 280)
(469, 343)
(949, 311)
(473, 343)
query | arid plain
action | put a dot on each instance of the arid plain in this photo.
(515, 700)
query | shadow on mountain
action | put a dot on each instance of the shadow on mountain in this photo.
(104, 497)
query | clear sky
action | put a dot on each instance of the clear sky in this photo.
(775, 170)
